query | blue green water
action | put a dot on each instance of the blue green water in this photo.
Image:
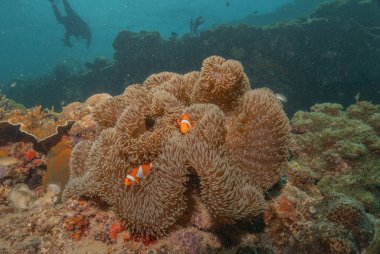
(311, 51)
(30, 36)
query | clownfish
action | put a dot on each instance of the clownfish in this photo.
(185, 124)
(137, 173)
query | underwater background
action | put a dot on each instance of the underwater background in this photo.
(277, 55)
(178, 126)
(32, 35)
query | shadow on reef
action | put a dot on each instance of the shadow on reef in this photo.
(330, 56)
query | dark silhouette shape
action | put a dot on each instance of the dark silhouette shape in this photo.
(194, 25)
(74, 25)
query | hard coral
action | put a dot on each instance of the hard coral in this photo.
(77, 224)
(33, 120)
(115, 229)
(38, 128)
(234, 130)
(358, 184)
(4, 190)
(351, 215)
(329, 140)
(7, 105)
(298, 223)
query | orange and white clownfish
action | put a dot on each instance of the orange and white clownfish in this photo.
(137, 173)
(185, 124)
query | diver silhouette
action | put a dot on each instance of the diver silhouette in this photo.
(74, 25)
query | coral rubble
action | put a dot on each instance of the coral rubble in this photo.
(235, 150)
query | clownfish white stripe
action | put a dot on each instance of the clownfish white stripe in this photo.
(131, 177)
(185, 122)
(140, 172)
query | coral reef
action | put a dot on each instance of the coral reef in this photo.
(4, 190)
(78, 225)
(21, 197)
(375, 245)
(307, 212)
(14, 132)
(235, 149)
(362, 184)
(45, 128)
(7, 105)
(57, 163)
(20, 163)
(299, 223)
(336, 153)
(330, 141)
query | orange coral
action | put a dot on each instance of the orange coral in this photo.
(115, 229)
(78, 225)
(286, 209)
(30, 155)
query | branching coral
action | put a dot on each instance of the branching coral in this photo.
(236, 148)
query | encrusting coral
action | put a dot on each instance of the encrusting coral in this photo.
(330, 141)
(236, 148)
(299, 223)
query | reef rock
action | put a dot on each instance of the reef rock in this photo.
(299, 223)
(330, 141)
(21, 197)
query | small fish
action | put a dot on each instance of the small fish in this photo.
(13, 84)
(227, 3)
(185, 124)
(138, 173)
(281, 97)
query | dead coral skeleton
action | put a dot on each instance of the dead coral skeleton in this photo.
(236, 148)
